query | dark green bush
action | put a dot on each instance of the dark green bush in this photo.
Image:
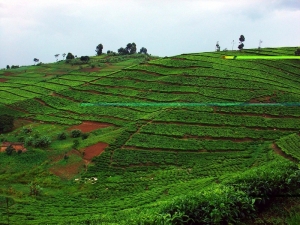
(275, 178)
(29, 141)
(75, 133)
(238, 197)
(216, 205)
(84, 136)
(9, 150)
(75, 144)
(26, 130)
(21, 139)
(62, 136)
(41, 142)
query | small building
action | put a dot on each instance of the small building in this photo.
(16, 145)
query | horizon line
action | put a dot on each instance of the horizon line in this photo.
(191, 104)
(244, 57)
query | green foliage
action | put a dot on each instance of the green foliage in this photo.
(273, 179)
(99, 49)
(153, 154)
(41, 142)
(84, 136)
(35, 189)
(129, 49)
(26, 130)
(75, 144)
(62, 136)
(70, 56)
(6, 123)
(290, 145)
(29, 141)
(216, 205)
(9, 150)
(143, 50)
(75, 133)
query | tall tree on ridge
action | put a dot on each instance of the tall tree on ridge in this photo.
(242, 39)
(99, 49)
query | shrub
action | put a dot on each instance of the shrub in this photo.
(75, 144)
(26, 130)
(62, 136)
(75, 133)
(21, 139)
(9, 150)
(66, 157)
(29, 141)
(84, 136)
(42, 142)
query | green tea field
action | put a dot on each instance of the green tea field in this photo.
(145, 152)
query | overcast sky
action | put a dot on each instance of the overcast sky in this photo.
(42, 28)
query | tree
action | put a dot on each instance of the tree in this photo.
(36, 60)
(297, 52)
(218, 47)
(242, 39)
(85, 58)
(70, 56)
(260, 41)
(7, 67)
(56, 56)
(6, 123)
(122, 51)
(75, 133)
(131, 48)
(64, 54)
(99, 49)
(241, 46)
(143, 50)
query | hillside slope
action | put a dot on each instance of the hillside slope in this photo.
(150, 152)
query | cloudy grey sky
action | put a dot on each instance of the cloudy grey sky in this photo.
(42, 28)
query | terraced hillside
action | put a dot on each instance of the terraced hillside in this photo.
(149, 153)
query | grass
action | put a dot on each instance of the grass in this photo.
(155, 154)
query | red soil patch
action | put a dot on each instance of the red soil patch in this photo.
(88, 126)
(94, 150)
(90, 69)
(3, 80)
(68, 171)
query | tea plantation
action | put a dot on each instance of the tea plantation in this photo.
(159, 163)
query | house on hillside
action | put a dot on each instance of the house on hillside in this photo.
(16, 145)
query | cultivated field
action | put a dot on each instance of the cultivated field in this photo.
(150, 162)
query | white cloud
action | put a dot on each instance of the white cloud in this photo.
(43, 28)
